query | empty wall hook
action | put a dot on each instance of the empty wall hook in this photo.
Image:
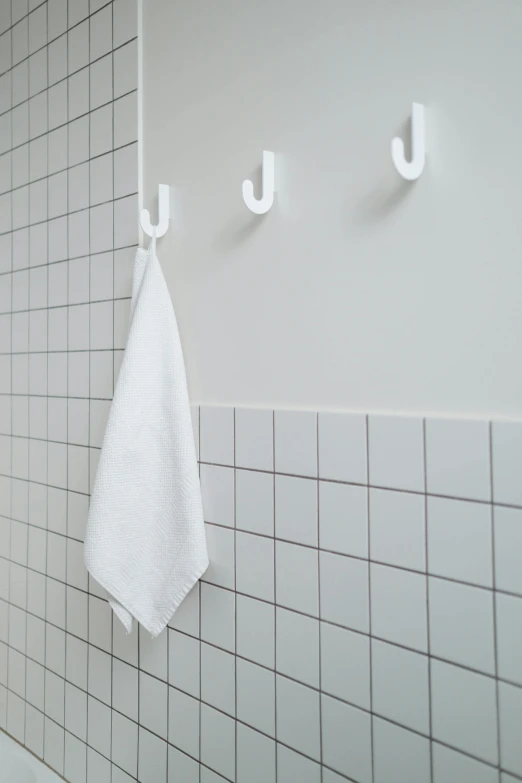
(261, 206)
(411, 170)
(163, 214)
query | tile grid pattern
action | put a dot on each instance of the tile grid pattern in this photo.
(68, 229)
(418, 597)
(364, 593)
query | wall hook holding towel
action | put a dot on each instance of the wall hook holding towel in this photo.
(261, 206)
(411, 170)
(163, 214)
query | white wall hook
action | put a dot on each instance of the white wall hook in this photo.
(411, 170)
(261, 206)
(163, 214)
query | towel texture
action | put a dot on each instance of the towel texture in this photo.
(145, 539)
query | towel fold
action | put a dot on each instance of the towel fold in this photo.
(145, 538)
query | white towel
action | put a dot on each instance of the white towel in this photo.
(145, 539)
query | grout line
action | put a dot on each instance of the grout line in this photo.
(418, 493)
(8, 633)
(428, 619)
(494, 601)
(370, 637)
(69, 74)
(276, 733)
(200, 644)
(235, 608)
(29, 431)
(261, 600)
(320, 625)
(54, 174)
(283, 744)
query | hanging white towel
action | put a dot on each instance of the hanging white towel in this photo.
(145, 539)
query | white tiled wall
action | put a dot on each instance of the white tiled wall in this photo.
(361, 617)
(68, 228)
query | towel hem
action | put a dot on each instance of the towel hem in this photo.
(158, 627)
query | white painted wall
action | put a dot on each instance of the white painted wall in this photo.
(357, 290)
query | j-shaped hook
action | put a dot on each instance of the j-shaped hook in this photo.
(414, 169)
(260, 206)
(163, 214)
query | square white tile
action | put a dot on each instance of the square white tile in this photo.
(180, 765)
(154, 654)
(346, 737)
(343, 516)
(256, 696)
(125, 226)
(255, 631)
(456, 721)
(221, 553)
(34, 731)
(125, 115)
(54, 741)
(508, 545)
(396, 452)
(217, 490)
(256, 756)
(298, 717)
(459, 540)
(342, 447)
(345, 665)
(344, 591)
(78, 143)
(291, 766)
(296, 512)
(152, 765)
(255, 438)
(400, 685)
(295, 434)
(76, 711)
(509, 637)
(510, 717)
(101, 282)
(184, 663)
(79, 232)
(99, 675)
(297, 578)
(254, 501)
(186, 616)
(218, 741)
(126, 171)
(397, 529)
(98, 767)
(457, 455)
(125, 689)
(100, 623)
(126, 69)
(255, 566)
(99, 727)
(461, 624)
(449, 764)
(218, 679)
(100, 32)
(398, 606)
(507, 461)
(297, 647)
(399, 754)
(217, 435)
(125, 743)
(218, 616)
(101, 82)
(184, 722)
(101, 179)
